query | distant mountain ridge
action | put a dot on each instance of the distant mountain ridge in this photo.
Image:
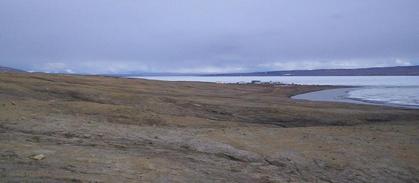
(8, 69)
(373, 71)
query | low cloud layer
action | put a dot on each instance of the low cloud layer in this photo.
(104, 36)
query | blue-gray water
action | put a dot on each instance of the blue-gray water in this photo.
(408, 96)
(307, 80)
(392, 90)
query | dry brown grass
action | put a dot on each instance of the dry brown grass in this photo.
(94, 128)
(145, 102)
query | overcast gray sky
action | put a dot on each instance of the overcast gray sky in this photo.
(113, 36)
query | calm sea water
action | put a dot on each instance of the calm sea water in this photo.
(307, 80)
(398, 90)
(408, 96)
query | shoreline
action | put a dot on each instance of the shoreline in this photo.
(340, 95)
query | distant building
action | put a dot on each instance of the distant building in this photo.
(255, 82)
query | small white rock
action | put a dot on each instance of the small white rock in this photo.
(37, 157)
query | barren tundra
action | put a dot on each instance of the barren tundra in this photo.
(57, 128)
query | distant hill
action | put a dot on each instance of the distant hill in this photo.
(8, 69)
(374, 71)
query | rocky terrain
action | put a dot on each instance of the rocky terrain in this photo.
(58, 128)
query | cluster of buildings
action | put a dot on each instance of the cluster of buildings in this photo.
(258, 82)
